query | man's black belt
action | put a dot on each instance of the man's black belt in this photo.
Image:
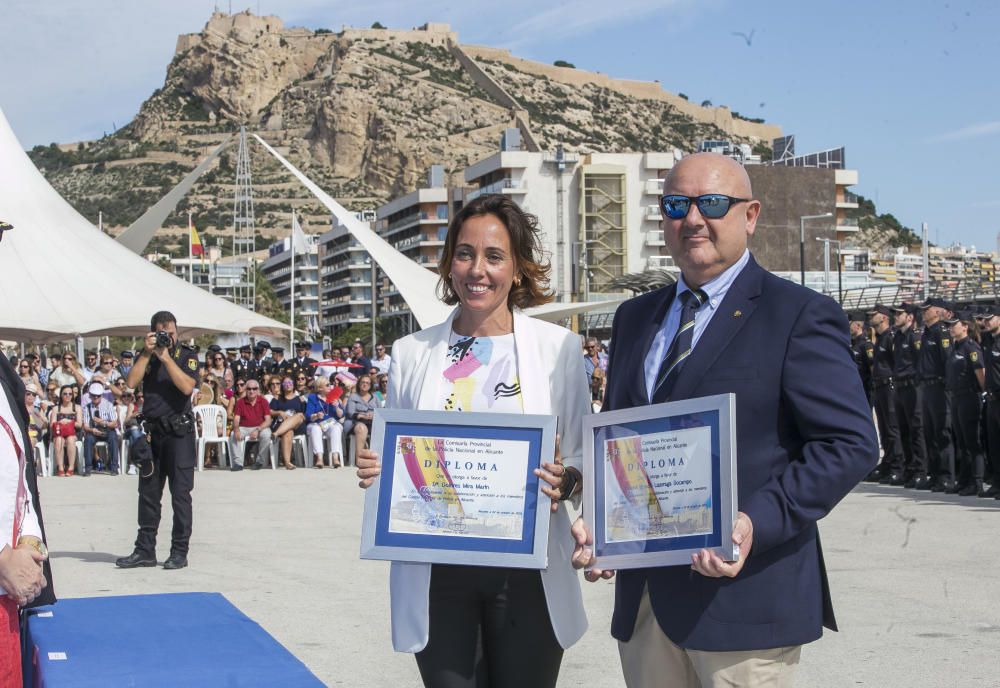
(993, 394)
(879, 383)
(179, 424)
(930, 381)
(905, 381)
(959, 390)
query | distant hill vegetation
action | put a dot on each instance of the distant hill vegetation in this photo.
(364, 112)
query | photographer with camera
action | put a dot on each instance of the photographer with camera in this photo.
(168, 373)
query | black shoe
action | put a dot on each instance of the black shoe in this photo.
(175, 561)
(135, 560)
(113, 471)
(923, 483)
(994, 490)
(896, 480)
(951, 487)
(970, 490)
(256, 466)
(874, 477)
(236, 467)
(911, 483)
(86, 473)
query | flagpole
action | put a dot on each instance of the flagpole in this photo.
(190, 251)
(291, 286)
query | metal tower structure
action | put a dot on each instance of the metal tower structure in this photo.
(243, 227)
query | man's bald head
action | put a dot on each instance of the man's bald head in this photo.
(705, 247)
(724, 170)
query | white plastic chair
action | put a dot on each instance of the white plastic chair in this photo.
(299, 451)
(43, 458)
(209, 414)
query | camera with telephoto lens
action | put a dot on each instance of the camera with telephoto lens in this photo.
(163, 340)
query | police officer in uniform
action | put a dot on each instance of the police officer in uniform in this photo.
(241, 366)
(991, 356)
(890, 469)
(303, 361)
(964, 380)
(863, 352)
(904, 380)
(935, 347)
(125, 363)
(279, 366)
(168, 373)
(259, 366)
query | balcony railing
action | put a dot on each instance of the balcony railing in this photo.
(499, 186)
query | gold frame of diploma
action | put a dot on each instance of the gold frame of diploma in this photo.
(659, 482)
(459, 488)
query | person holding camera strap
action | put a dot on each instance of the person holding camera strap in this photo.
(169, 374)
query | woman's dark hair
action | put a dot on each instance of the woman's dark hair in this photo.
(530, 267)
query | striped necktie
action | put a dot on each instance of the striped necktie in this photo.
(681, 347)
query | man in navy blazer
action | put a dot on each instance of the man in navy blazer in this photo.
(804, 432)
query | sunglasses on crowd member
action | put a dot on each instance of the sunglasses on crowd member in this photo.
(711, 206)
(252, 387)
(274, 383)
(107, 362)
(28, 393)
(301, 378)
(22, 365)
(240, 383)
(67, 394)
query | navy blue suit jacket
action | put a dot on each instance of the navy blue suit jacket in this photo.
(805, 438)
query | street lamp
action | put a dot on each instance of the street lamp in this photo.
(802, 243)
(826, 268)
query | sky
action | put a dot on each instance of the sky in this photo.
(908, 87)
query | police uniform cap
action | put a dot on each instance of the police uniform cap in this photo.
(231, 350)
(278, 349)
(884, 310)
(302, 345)
(245, 348)
(957, 316)
(262, 344)
(126, 354)
(214, 347)
(940, 303)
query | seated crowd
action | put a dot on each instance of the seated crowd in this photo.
(83, 408)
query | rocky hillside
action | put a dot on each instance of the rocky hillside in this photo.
(364, 112)
(880, 231)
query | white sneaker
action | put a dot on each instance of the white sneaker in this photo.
(131, 470)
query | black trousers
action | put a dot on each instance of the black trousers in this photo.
(969, 459)
(174, 461)
(489, 628)
(936, 419)
(888, 430)
(911, 431)
(993, 437)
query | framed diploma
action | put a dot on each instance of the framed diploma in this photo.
(659, 482)
(459, 488)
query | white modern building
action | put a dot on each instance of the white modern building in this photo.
(277, 269)
(598, 212)
(345, 275)
(217, 275)
(415, 225)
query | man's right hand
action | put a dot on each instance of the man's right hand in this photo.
(21, 573)
(583, 553)
(368, 467)
(149, 346)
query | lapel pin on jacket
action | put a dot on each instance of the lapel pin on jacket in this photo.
(737, 313)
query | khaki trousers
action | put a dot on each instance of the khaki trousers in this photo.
(650, 659)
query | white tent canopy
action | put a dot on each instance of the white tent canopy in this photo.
(61, 277)
(415, 283)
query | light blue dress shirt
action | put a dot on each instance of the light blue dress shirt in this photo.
(716, 290)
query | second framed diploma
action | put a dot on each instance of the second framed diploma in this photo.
(459, 488)
(659, 482)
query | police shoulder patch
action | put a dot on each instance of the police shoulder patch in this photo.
(973, 356)
(871, 353)
(917, 344)
(193, 363)
(945, 342)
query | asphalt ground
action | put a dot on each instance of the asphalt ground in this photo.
(914, 577)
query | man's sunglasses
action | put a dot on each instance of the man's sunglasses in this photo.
(711, 206)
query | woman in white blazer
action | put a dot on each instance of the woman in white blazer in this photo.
(476, 626)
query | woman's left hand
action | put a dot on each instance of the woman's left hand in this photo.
(553, 474)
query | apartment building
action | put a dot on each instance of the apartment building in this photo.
(277, 269)
(226, 277)
(598, 212)
(345, 274)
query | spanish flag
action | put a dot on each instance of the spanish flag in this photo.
(425, 464)
(197, 249)
(625, 454)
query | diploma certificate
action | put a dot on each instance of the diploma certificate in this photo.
(659, 482)
(459, 488)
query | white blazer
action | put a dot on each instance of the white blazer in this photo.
(553, 382)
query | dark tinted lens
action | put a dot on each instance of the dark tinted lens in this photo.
(713, 206)
(675, 207)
